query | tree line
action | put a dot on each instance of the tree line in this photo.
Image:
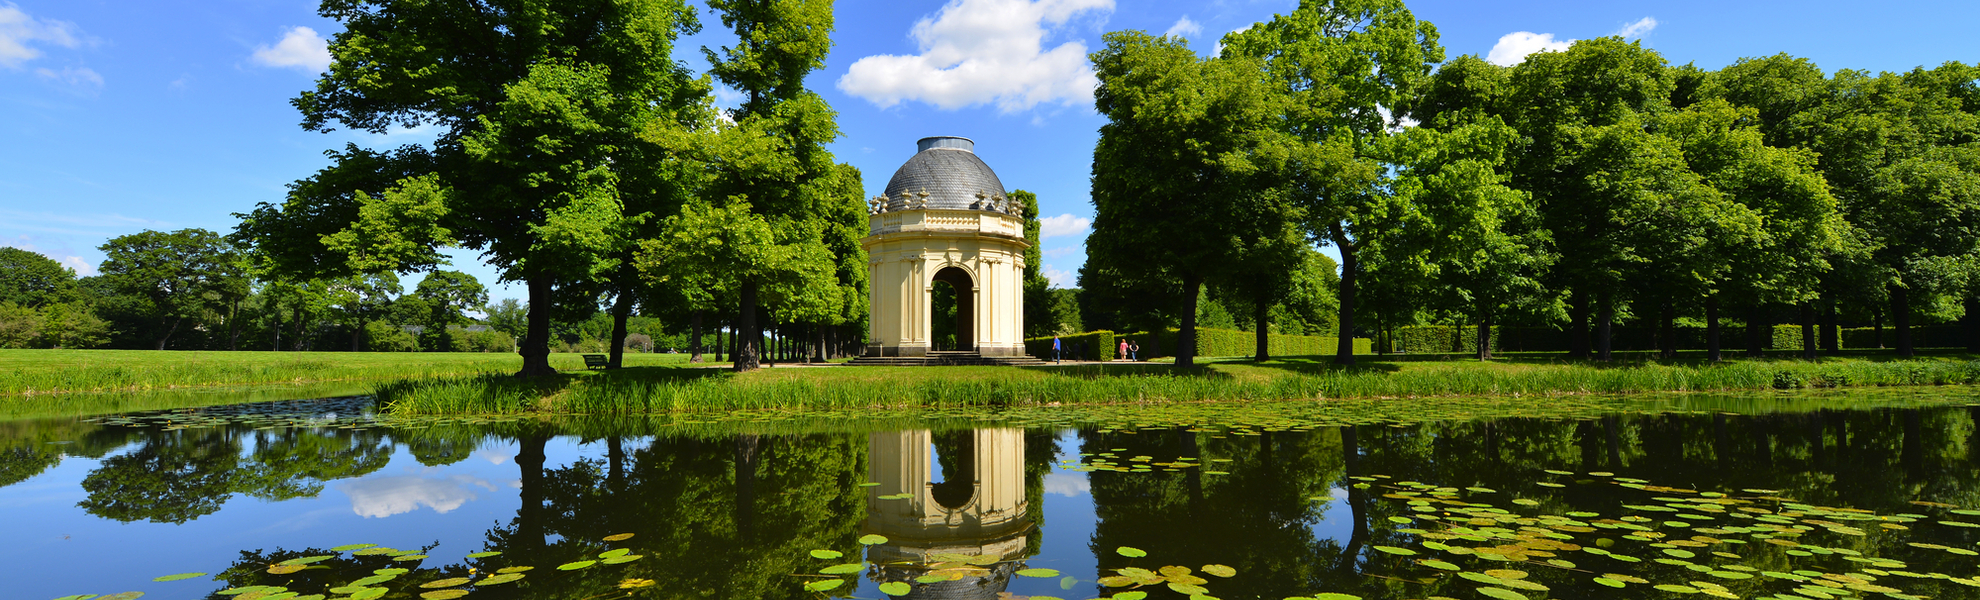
(1579, 189)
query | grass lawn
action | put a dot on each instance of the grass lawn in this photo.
(33, 372)
(673, 390)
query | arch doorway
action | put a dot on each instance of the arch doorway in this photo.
(954, 314)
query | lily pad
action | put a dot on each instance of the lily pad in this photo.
(1220, 570)
(350, 547)
(824, 585)
(873, 539)
(1130, 553)
(1038, 573)
(444, 583)
(1501, 593)
(573, 566)
(484, 554)
(618, 537)
(499, 579)
(827, 554)
(177, 577)
(845, 569)
(895, 588)
(1396, 551)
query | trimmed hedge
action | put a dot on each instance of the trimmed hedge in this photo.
(1446, 339)
(1092, 345)
(1230, 342)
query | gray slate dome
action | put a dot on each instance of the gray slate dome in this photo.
(947, 168)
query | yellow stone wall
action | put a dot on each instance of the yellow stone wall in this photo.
(905, 248)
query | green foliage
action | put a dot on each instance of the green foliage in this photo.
(30, 279)
(170, 277)
(380, 336)
(1229, 342)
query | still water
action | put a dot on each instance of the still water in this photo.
(1842, 495)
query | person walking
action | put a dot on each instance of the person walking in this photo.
(1121, 353)
(1134, 351)
(1056, 355)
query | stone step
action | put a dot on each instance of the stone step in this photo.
(949, 358)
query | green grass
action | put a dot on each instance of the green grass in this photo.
(38, 372)
(673, 390)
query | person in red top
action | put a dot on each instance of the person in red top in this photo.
(1121, 353)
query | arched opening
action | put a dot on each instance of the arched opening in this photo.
(953, 310)
(955, 455)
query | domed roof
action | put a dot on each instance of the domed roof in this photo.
(948, 170)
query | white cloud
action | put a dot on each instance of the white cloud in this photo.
(82, 267)
(1637, 29)
(1065, 224)
(1070, 485)
(18, 30)
(1059, 252)
(300, 48)
(1184, 28)
(1060, 278)
(983, 51)
(379, 497)
(1513, 48)
(82, 79)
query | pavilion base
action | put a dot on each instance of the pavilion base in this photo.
(946, 359)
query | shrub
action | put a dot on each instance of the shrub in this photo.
(1228, 342)
(381, 336)
(486, 340)
(1092, 345)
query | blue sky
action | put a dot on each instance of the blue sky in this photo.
(121, 116)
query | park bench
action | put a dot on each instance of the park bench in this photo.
(595, 361)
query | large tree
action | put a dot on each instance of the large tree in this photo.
(536, 102)
(1181, 169)
(1347, 66)
(32, 280)
(170, 274)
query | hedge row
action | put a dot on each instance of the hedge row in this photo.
(1092, 345)
(1229, 342)
(1445, 339)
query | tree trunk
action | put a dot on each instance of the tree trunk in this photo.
(1901, 317)
(1186, 341)
(1808, 331)
(1578, 326)
(1756, 329)
(749, 337)
(234, 326)
(822, 349)
(357, 337)
(1877, 320)
(1605, 338)
(529, 517)
(1972, 323)
(535, 348)
(1262, 316)
(1484, 331)
(621, 310)
(277, 330)
(1712, 328)
(176, 321)
(1350, 271)
(1667, 346)
(718, 343)
(694, 336)
(1831, 339)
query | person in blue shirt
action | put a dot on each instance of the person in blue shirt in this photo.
(1055, 349)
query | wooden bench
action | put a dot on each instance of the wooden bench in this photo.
(596, 361)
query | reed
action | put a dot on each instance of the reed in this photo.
(667, 390)
(39, 372)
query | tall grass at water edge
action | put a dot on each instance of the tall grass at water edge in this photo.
(37, 372)
(665, 391)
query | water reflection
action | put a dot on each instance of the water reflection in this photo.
(1296, 508)
(979, 509)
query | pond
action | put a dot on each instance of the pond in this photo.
(1805, 496)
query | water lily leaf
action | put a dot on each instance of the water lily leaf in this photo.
(826, 554)
(1184, 588)
(445, 583)
(369, 593)
(177, 577)
(443, 594)
(1130, 553)
(376, 550)
(409, 557)
(1438, 564)
(633, 584)
(873, 539)
(573, 566)
(869, 484)
(1220, 570)
(285, 569)
(931, 578)
(508, 569)
(844, 569)
(825, 585)
(306, 560)
(123, 596)
(1481, 578)
(1608, 582)
(1506, 574)
(499, 579)
(484, 554)
(620, 560)
(350, 547)
(895, 588)
(1501, 593)
(1130, 596)
(618, 537)
(614, 553)
(1038, 573)
(1396, 551)
(1677, 589)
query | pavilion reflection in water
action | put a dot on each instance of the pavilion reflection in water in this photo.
(979, 508)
